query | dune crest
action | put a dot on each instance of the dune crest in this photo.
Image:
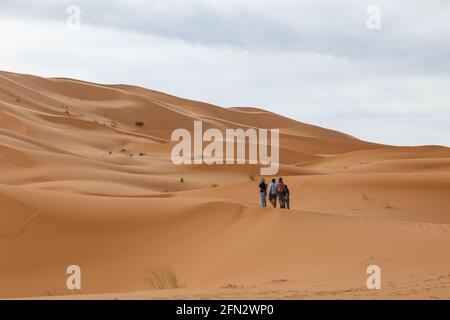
(87, 179)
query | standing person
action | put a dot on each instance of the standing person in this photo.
(273, 193)
(281, 192)
(286, 197)
(263, 192)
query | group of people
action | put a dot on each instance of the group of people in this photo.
(277, 192)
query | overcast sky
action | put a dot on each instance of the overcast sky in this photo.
(315, 61)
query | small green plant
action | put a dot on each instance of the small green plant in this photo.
(162, 278)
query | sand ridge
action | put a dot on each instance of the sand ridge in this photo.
(86, 178)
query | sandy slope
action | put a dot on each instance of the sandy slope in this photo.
(82, 184)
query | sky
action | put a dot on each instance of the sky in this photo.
(378, 70)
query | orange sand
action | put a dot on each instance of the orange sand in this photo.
(81, 184)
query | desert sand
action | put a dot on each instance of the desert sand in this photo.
(86, 179)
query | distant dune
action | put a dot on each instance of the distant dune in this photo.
(86, 179)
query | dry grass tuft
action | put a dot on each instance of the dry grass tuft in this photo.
(163, 278)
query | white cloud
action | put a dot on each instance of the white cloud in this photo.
(315, 62)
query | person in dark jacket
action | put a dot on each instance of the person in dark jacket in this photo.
(286, 198)
(263, 192)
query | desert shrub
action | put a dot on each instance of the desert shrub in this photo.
(139, 123)
(162, 278)
(233, 286)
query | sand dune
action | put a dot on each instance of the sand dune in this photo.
(86, 179)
